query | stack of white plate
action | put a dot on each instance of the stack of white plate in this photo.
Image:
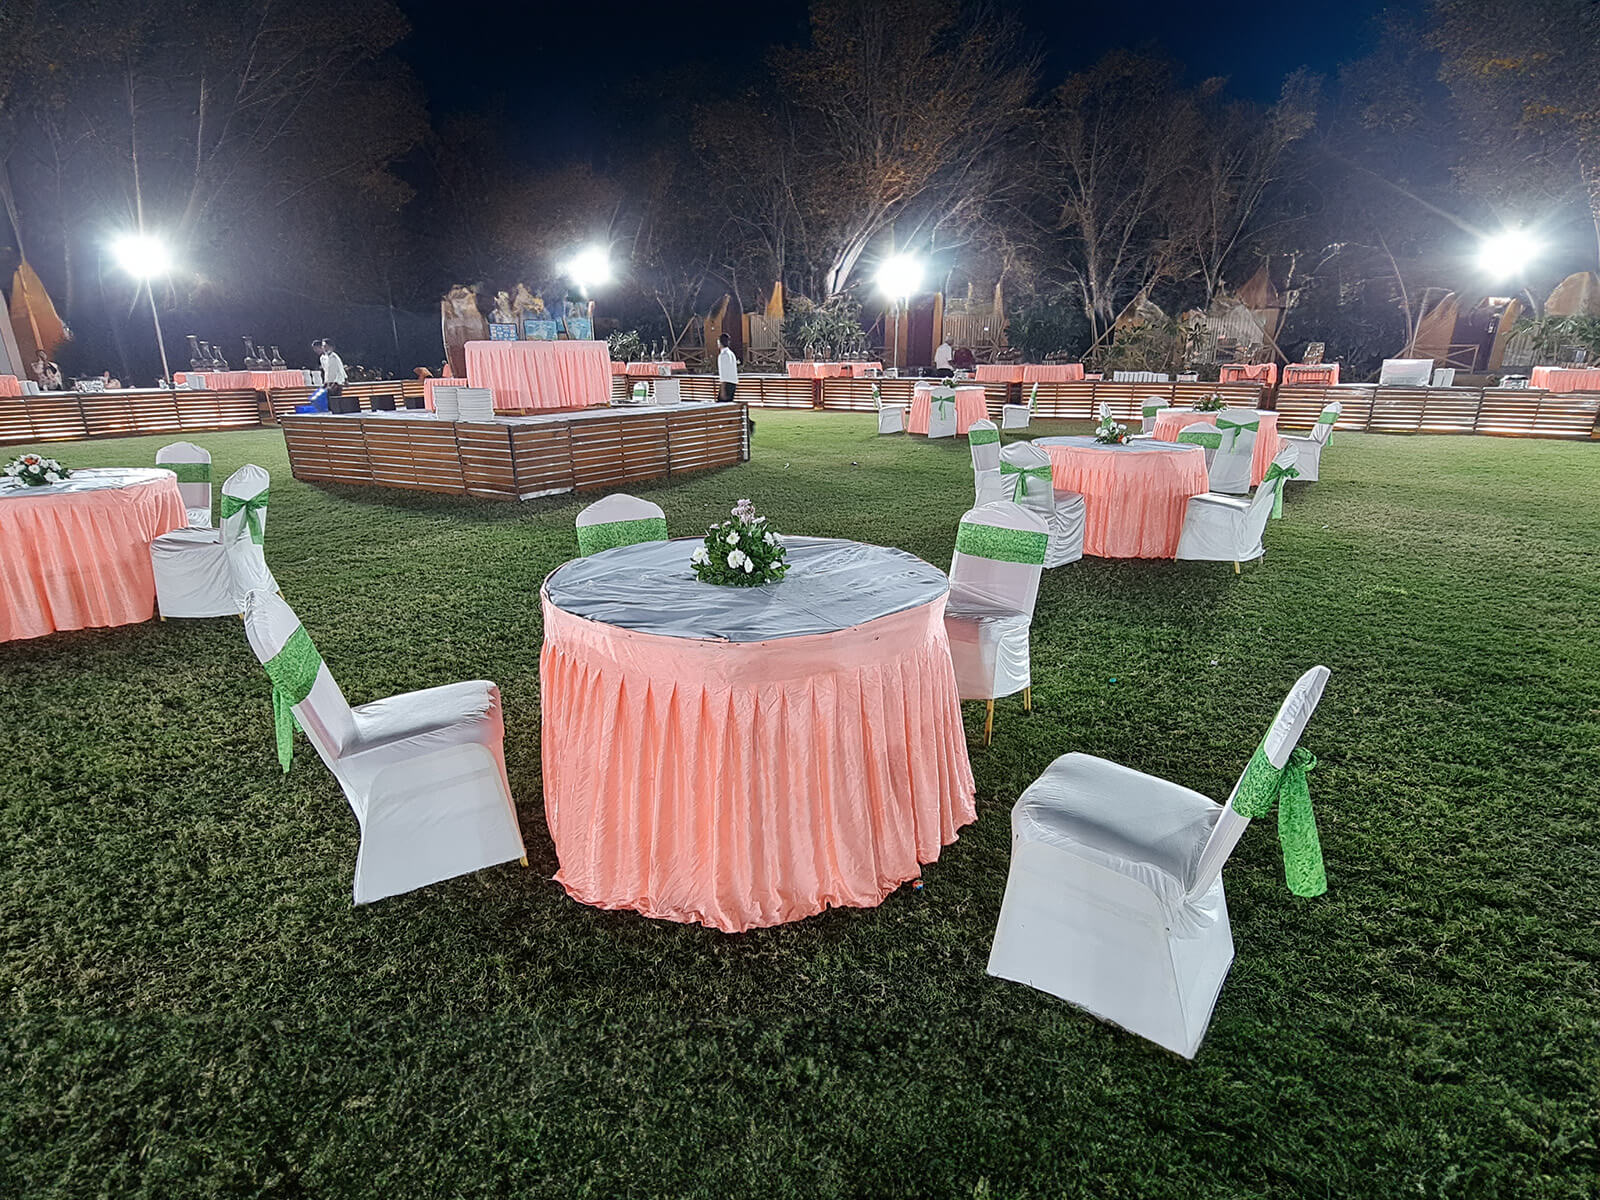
(446, 405)
(477, 404)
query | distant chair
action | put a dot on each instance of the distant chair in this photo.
(619, 520)
(942, 411)
(1308, 449)
(1149, 409)
(1405, 372)
(983, 442)
(1219, 528)
(891, 417)
(1020, 416)
(1443, 377)
(192, 465)
(1026, 477)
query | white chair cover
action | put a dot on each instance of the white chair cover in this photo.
(1443, 377)
(619, 520)
(208, 572)
(1405, 372)
(192, 465)
(983, 441)
(1019, 416)
(994, 582)
(1025, 478)
(892, 418)
(1149, 409)
(1229, 469)
(942, 412)
(1219, 528)
(1309, 447)
(1114, 901)
(424, 772)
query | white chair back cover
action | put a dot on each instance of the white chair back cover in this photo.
(999, 556)
(324, 714)
(942, 411)
(1283, 735)
(1229, 469)
(1405, 372)
(247, 561)
(194, 484)
(1443, 377)
(983, 440)
(1037, 491)
(1151, 408)
(619, 520)
(1323, 429)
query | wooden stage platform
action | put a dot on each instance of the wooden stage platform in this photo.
(515, 458)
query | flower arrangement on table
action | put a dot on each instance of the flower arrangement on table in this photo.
(742, 552)
(1109, 432)
(34, 470)
(1212, 403)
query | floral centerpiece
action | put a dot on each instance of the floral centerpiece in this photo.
(1109, 432)
(36, 471)
(1212, 403)
(742, 552)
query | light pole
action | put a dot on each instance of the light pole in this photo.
(899, 276)
(144, 256)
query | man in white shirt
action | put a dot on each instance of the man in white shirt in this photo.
(333, 376)
(727, 370)
(941, 358)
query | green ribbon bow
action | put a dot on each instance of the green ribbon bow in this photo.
(189, 472)
(1152, 408)
(641, 391)
(1019, 489)
(1230, 430)
(1025, 546)
(1209, 438)
(292, 670)
(252, 508)
(982, 437)
(1278, 477)
(1264, 786)
(942, 398)
(594, 538)
(1033, 398)
(877, 398)
(1328, 417)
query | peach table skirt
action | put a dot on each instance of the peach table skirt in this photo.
(1326, 374)
(429, 384)
(260, 381)
(999, 373)
(1052, 373)
(746, 784)
(1172, 422)
(75, 559)
(652, 367)
(9, 386)
(971, 405)
(831, 370)
(537, 376)
(1248, 373)
(1135, 496)
(1565, 379)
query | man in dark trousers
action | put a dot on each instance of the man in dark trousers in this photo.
(727, 371)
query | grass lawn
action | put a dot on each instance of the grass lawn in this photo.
(190, 1006)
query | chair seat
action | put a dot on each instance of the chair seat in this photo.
(1239, 504)
(451, 708)
(198, 518)
(182, 539)
(973, 609)
(1124, 819)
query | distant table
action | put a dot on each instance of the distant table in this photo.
(429, 384)
(1134, 495)
(1173, 421)
(10, 386)
(999, 373)
(77, 553)
(1565, 379)
(538, 376)
(1326, 374)
(260, 381)
(971, 405)
(831, 370)
(1248, 373)
(744, 757)
(653, 367)
(1052, 372)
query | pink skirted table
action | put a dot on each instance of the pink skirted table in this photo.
(260, 381)
(999, 373)
(831, 370)
(539, 376)
(971, 405)
(1052, 373)
(653, 367)
(1248, 373)
(745, 757)
(1325, 374)
(1173, 421)
(1565, 379)
(77, 554)
(1134, 495)
(10, 386)
(436, 381)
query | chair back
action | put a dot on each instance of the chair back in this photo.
(1283, 735)
(1151, 408)
(192, 465)
(619, 520)
(1025, 470)
(244, 528)
(1322, 431)
(1229, 468)
(324, 714)
(999, 556)
(1266, 497)
(983, 440)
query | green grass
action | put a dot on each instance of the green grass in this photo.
(192, 1007)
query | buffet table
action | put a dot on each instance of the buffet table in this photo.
(652, 367)
(539, 376)
(1135, 494)
(831, 370)
(1173, 421)
(1052, 372)
(998, 373)
(1325, 374)
(260, 381)
(1266, 373)
(1565, 379)
(745, 757)
(77, 553)
(10, 386)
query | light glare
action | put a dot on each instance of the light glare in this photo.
(589, 267)
(1507, 254)
(142, 255)
(900, 275)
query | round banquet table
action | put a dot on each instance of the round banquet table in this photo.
(77, 553)
(971, 405)
(1173, 421)
(743, 757)
(1134, 495)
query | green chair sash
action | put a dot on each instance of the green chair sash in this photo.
(877, 398)
(1265, 786)
(1025, 546)
(1151, 409)
(252, 508)
(292, 670)
(641, 391)
(1019, 487)
(1277, 478)
(1207, 437)
(1229, 429)
(189, 472)
(608, 536)
(1328, 418)
(1033, 399)
(982, 437)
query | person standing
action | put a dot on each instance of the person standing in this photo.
(941, 358)
(47, 374)
(727, 370)
(333, 375)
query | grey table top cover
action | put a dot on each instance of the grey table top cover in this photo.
(831, 585)
(87, 479)
(1143, 446)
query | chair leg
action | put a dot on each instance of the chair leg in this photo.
(1027, 698)
(524, 860)
(988, 725)
(1235, 566)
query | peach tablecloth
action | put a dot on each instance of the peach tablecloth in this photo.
(260, 381)
(999, 373)
(78, 554)
(739, 783)
(651, 368)
(1326, 374)
(831, 370)
(528, 376)
(1172, 422)
(1052, 372)
(9, 386)
(1135, 495)
(971, 405)
(1248, 373)
(436, 381)
(1565, 379)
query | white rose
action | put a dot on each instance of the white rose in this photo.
(735, 557)
(749, 566)
(700, 556)
(733, 538)
(51, 477)
(770, 540)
